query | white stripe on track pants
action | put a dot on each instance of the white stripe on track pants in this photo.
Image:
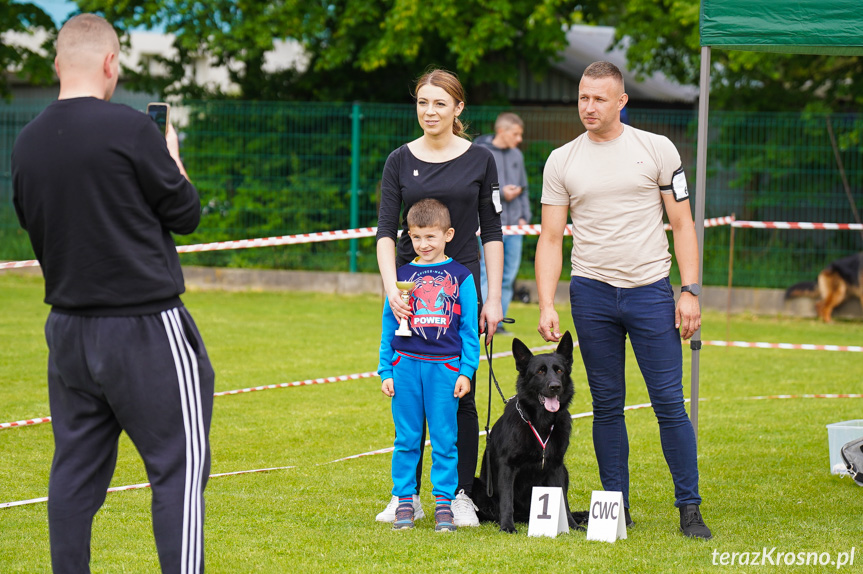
(149, 376)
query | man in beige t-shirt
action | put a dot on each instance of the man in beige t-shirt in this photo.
(615, 181)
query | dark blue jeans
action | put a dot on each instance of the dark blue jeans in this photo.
(604, 316)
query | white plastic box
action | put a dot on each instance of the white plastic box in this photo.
(837, 435)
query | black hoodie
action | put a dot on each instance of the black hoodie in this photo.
(99, 195)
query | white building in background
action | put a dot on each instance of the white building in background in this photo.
(144, 50)
(588, 44)
(146, 47)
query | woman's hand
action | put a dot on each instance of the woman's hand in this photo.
(400, 309)
(492, 314)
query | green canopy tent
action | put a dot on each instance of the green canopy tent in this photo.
(784, 26)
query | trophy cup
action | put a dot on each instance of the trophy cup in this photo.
(405, 287)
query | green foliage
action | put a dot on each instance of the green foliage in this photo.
(276, 169)
(319, 515)
(357, 49)
(373, 50)
(221, 32)
(788, 170)
(663, 36)
(36, 66)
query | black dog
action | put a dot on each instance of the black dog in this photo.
(515, 458)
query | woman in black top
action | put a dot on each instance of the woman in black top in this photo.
(442, 164)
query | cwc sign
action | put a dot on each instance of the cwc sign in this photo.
(607, 522)
(605, 510)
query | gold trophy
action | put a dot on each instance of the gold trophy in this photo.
(405, 287)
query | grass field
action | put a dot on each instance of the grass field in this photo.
(764, 463)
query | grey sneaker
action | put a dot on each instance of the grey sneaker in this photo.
(691, 523)
(404, 517)
(464, 510)
(389, 513)
(443, 519)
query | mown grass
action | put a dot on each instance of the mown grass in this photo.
(764, 463)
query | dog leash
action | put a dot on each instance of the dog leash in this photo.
(489, 351)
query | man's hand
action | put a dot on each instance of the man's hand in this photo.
(462, 386)
(510, 192)
(549, 325)
(687, 316)
(173, 142)
(547, 264)
(387, 387)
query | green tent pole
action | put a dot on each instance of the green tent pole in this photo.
(355, 180)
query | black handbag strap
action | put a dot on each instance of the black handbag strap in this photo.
(852, 455)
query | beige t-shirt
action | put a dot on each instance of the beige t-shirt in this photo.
(613, 190)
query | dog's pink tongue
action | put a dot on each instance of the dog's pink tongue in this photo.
(552, 404)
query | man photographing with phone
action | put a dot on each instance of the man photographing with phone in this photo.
(99, 190)
(159, 112)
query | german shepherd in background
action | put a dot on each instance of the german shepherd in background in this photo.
(515, 460)
(840, 280)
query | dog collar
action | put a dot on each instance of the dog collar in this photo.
(542, 443)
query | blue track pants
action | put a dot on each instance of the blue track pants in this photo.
(425, 387)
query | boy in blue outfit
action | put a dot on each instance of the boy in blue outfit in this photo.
(425, 374)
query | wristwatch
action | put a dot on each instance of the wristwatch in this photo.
(693, 288)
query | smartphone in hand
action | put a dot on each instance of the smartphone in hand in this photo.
(159, 112)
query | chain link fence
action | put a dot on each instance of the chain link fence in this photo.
(266, 169)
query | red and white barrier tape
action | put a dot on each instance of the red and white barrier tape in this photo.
(28, 422)
(427, 443)
(507, 230)
(281, 240)
(306, 382)
(804, 347)
(19, 264)
(821, 396)
(370, 374)
(366, 375)
(143, 485)
(248, 243)
(719, 221)
(481, 433)
(796, 225)
(711, 222)
(319, 381)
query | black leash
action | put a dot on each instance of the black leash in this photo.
(489, 351)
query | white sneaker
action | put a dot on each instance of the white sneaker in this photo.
(389, 513)
(464, 510)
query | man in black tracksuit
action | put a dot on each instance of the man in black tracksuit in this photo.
(99, 193)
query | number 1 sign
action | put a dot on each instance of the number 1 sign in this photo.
(547, 512)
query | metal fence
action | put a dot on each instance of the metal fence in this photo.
(266, 169)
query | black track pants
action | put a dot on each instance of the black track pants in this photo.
(149, 376)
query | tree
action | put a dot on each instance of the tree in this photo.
(663, 36)
(34, 65)
(358, 49)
